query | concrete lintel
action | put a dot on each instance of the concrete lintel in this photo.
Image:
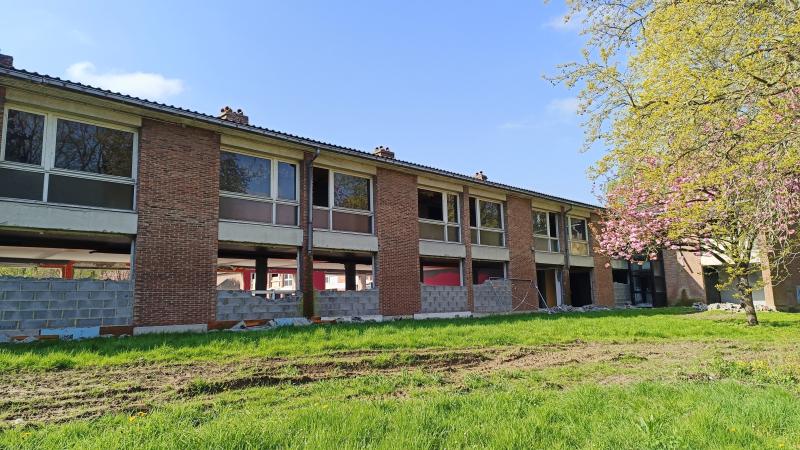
(488, 253)
(68, 218)
(581, 261)
(345, 241)
(365, 318)
(442, 249)
(549, 258)
(447, 315)
(261, 234)
(159, 329)
(619, 264)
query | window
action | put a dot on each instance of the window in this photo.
(483, 271)
(486, 222)
(81, 163)
(247, 184)
(440, 272)
(434, 224)
(342, 202)
(578, 237)
(545, 231)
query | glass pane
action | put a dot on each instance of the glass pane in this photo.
(452, 209)
(454, 234)
(490, 215)
(577, 229)
(80, 191)
(472, 212)
(429, 205)
(554, 246)
(473, 235)
(244, 174)
(287, 181)
(431, 231)
(553, 219)
(541, 244)
(483, 271)
(579, 248)
(24, 135)
(658, 269)
(285, 214)
(321, 217)
(21, 184)
(320, 191)
(440, 274)
(358, 223)
(494, 238)
(540, 223)
(247, 210)
(89, 148)
(350, 192)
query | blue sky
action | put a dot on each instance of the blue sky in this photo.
(456, 85)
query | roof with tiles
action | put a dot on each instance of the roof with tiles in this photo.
(48, 80)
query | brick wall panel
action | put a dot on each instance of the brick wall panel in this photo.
(603, 282)
(683, 275)
(178, 209)
(396, 227)
(521, 265)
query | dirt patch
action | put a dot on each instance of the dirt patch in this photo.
(84, 393)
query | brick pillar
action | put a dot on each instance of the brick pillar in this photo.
(521, 265)
(396, 227)
(178, 208)
(467, 240)
(566, 289)
(781, 291)
(2, 105)
(603, 283)
(306, 259)
(683, 275)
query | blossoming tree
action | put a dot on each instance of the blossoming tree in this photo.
(699, 103)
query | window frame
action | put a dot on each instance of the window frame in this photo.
(273, 188)
(550, 239)
(331, 208)
(579, 241)
(479, 227)
(47, 166)
(445, 216)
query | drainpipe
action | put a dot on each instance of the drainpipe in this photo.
(565, 291)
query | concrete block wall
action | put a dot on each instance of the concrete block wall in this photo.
(28, 305)
(242, 305)
(622, 294)
(442, 299)
(494, 296)
(348, 303)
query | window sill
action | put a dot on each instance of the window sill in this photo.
(247, 222)
(65, 205)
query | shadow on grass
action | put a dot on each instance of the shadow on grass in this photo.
(177, 341)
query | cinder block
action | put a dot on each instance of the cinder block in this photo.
(9, 285)
(9, 325)
(61, 323)
(64, 286)
(63, 304)
(102, 313)
(35, 286)
(32, 324)
(90, 304)
(118, 285)
(125, 295)
(70, 314)
(48, 314)
(116, 321)
(90, 285)
(19, 295)
(78, 295)
(17, 315)
(88, 323)
(34, 305)
(9, 306)
(102, 295)
(123, 312)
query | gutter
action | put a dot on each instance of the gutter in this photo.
(208, 119)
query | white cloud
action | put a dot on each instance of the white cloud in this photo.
(564, 106)
(561, 23)
(152, 86)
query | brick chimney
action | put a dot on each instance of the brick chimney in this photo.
(234, 116)
(383, 152)
(480, 176)
(6, 61)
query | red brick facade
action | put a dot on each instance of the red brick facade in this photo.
(306, 258)
(397, 229)
(684, 277)
(603, 282)
(178, 207)
(467, 240)
(521, 266)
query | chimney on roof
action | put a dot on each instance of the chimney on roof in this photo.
(383, 152)
(234, 116)
(480, 176)
(6, 61)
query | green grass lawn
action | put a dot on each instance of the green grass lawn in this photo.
(667, 378)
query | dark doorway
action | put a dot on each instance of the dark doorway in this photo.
(580, 284)
(711, 280)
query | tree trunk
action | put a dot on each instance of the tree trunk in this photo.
(746, 294)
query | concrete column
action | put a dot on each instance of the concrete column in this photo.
(350, 276)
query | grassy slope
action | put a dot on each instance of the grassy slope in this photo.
(619, 326)
(565, 406)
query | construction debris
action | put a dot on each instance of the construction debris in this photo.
(731, 307)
